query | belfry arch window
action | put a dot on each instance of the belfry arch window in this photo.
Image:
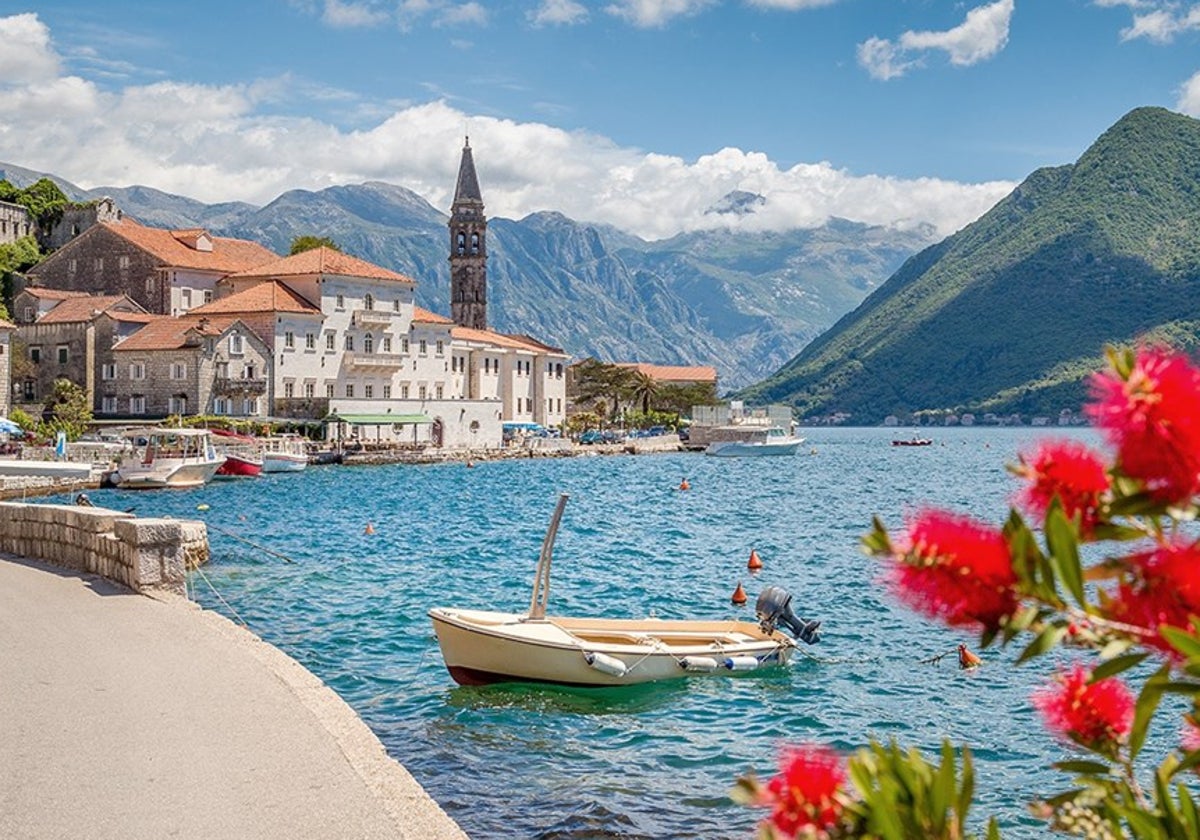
(474, 243)
(461, 242)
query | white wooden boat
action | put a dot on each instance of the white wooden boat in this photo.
(169, 458)
(481, 647)
(764, 441)
(283, 453)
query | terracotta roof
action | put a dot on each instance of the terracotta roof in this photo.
(499, 339)
(51, 294)
(424, 316)
(227, 256)
(133, 317)
(674, 373)
(323, 261)
(167, 333)
(272, 296)
(77, 309)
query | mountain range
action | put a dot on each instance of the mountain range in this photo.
(742, 302)
(1013, 313)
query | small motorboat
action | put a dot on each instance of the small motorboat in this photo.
(240, 453)
(481, 647)
(169, 458)
(916, 441)
(757, 442)
(283, 453)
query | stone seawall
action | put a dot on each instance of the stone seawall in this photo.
(143, 554)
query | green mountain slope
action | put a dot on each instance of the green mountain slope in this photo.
(1013, 312)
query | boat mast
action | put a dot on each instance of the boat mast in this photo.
(541, 583)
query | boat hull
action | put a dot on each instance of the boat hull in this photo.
(237, 465)
(277, 462)
(159, 475)
(749, 449)
(481, 647)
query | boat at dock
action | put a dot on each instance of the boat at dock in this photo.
(283, 453)
(754, 442)
(168, 458)
(242, 459)
(480, 647)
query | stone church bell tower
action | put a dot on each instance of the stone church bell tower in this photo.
(468, 248)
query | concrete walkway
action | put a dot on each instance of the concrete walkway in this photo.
(125, 716)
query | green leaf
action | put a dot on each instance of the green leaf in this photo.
(1190, 760)
(1182, 640)
(966, 792)
(993, 830)
(1147, 704)
(877, 543)
(1045, 641)
(1116, 665)
(1083, 767)
(1064, 551)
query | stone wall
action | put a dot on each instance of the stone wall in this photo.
(143, 554)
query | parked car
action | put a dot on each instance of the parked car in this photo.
(591, 436)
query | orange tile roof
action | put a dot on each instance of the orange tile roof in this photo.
(674, 373)
(227, 256)
(323, 261)
(498, 339)
(167, 333)
(272, 296)
(424, 316)
(51, 294)
(76, 309)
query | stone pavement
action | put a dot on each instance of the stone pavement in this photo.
(126, 716)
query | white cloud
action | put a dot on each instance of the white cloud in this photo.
(27, 55)
(1189, 97)
(791, 5)
(1162, 22)
(348, 15)
(217, 144)
(455, 15)
(559, 13)
(982, 35)
(654, 13)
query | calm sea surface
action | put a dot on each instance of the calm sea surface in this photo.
(645, 762)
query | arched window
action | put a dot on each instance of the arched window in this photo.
(368, 301)
(461, 242)
(368, 343)
(474, 243)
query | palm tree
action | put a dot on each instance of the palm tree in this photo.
(643, 388)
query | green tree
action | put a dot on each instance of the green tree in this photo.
(595, 381)
(69, 410)
(306, 243)
(643, 388)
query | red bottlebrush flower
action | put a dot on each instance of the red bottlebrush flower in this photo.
(1097, 715)
(1165, 589)
(1070, 471)
(806, 796)
(955, 569)
(1153, 420)
(1189, 739)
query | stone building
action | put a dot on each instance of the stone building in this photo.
(193, 364)
(6, 393)
(167, 272)
(676, 374)
(15, 223)
(71, 341)
(33, 302)
(468, 248)
(75, 219)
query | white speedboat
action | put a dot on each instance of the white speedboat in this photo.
(481, 647)
(283, 453)
(763, 441)
(169, 458)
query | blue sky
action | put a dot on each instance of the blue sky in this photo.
(638, 113)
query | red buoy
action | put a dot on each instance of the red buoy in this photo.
(370, 529)
(683, 485)
(754, 564)
(966, 659)
(739, 595)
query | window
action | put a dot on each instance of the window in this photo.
(98, 263)
(441, 348)
(289, 390)
(421, 392)
(349, 342)
(220, 405)
(35, 354)
(558, 371)
(422, 347)
(310, 341)
(137, 370)
(368, 391)
(73, 266)
(403, 392)
(108, 371)
(177, 405)
(387, 344)
(178, 370)
(349, 390)
(404, 345)
(368, 343)
(108, 405)
(368, 301)
(289, 340)
(387, 392)
(208, 295)
(330, 340)
(437, 391)
(341, 302)
(329, 390)
(310, 390)
(250, 405)
(137, 404)
(248, 372)
(123, 261)
(396, 305)
(222, 369)
(237, 344)
(28, 315)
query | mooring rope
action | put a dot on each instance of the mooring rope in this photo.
(221, 598)
(255, 545)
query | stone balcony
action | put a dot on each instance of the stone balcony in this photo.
(228, 386)
(375, 361)
(375, 317)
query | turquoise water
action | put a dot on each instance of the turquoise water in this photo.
(645, 762)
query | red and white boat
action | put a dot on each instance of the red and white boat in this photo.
(283, 453)
(240, 453)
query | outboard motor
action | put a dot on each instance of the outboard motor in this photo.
(774, 607)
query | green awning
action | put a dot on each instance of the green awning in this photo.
(378, 419)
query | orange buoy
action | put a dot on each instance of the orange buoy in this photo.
(470, 463)
(966, 659)
(370, 529)
(683, 485)
(739, 595)
(754, 564)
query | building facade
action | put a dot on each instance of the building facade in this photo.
(7, 329)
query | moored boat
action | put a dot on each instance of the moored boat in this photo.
(240, 453)
(481, 647)
(283, 453)
(169, 458)
(916, 441)
(756, 442)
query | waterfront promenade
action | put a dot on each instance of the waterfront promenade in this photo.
(127, 716)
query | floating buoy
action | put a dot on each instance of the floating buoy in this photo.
(754, 564)
(201, 507)
(739, 595)
(966, 659)
(683, 485)
(370, 529)
(741, 663)
(605, 664)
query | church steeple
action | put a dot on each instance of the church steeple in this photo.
(468, 248)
